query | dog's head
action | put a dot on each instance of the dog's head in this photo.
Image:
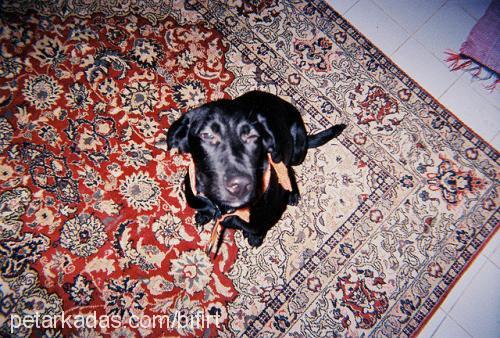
(229, 148)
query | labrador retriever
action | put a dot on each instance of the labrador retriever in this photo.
(233, 144)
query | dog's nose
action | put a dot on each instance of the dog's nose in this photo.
(238, 185)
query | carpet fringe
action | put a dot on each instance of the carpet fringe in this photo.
(457, 61)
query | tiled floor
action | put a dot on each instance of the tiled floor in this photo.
(415, 34)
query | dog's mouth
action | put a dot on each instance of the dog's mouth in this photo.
(229, 191)
(240, 191)
(281, 175)
(229, 204)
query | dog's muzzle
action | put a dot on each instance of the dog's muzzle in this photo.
(281, 171)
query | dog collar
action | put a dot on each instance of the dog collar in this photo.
(281, 171)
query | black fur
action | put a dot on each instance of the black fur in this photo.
(229, 141)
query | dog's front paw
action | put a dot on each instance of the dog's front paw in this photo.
(233, 222)
(293, 198)
(202, 218)
(253, 239)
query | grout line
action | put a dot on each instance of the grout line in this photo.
(390, 16)
(466, 12)
(429, 18)
(399, 47)
(492, 245)
(440, 324)
(385, 50)
(483, 92)
(440, 60)
(461, 282)
(347, 10)
(494, 137)
(472, 92)
(433, 333)
(496, 249)
(439, 57)
(460, 326)
(491, 261)
(397, 24)
(470, 14)
(447, 89)
(481, 267)
(412, 34)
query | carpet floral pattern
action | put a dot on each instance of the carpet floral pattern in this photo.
(93, 220)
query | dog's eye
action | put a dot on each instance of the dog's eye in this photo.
(249, 138)
(206, 136)
(209, 137)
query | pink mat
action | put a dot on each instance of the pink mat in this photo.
(483, 43)
(480, 53)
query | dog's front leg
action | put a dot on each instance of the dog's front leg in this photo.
(294, 197)
(205, 209)
(234, 222)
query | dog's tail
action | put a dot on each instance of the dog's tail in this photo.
(324, 136)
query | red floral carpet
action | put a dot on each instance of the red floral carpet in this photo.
(93, 221)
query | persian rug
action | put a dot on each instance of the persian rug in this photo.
(96, 239)
(480, 53)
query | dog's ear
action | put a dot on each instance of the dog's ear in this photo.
(177, 135)
(269, 139)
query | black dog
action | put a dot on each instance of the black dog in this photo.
(229, 141)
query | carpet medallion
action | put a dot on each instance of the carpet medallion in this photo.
(93, 219)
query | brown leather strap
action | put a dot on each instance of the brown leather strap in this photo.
(243, 213)
(282, 172)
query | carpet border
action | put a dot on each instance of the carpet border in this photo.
(487, 241)
(466, 267)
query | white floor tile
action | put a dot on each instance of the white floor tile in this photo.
(341, 6)
(475, 8)
(450, 329)
(447, 29)
(493, 244)
(495, 259)
(479, 87)
(479, 114)
(410, 14)
(433, 324)
(424, 67)
(477, 309)
(496, 142)
(492, 250)
(377, 26)
(464, 281)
